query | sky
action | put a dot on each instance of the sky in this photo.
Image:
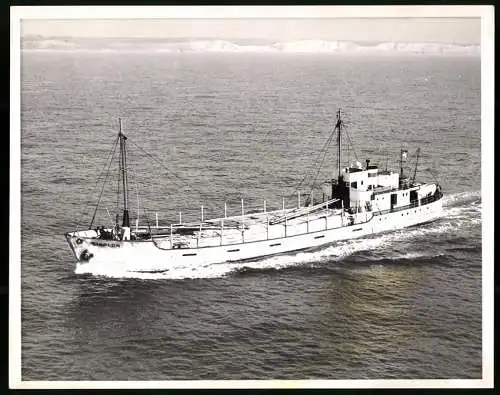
(440, 30)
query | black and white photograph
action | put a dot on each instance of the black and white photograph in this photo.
(251, 197)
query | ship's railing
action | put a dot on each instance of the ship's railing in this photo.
(304, 204)
(221, 236)
(429, 199)
(300, 212)
(424, 201)
(235, 226)
(380, 190)
(230, 235)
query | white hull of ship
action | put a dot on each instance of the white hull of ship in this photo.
(148, 255)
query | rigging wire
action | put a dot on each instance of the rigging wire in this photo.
(132, 171)
(171, 172)
(147, 221)
(311, 166)
(350, 143)
(319, 168)
(139, 206)
(109, 215)
(103, 185)
(325, 148)
(323, 151)
(99, 178)
(434, 174)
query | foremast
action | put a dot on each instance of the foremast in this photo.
(123, 170)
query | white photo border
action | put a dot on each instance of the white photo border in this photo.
(486, 13)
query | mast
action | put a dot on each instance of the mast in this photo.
(123, 159)
(339, 123)
(416, 165)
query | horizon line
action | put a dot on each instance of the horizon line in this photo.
(234, 39)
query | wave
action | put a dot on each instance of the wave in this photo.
(465, 198)
(302, 46)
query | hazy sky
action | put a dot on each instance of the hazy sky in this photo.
(448, 30)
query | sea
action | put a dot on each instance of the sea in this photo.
(205, 128)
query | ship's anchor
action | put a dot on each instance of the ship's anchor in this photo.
(85, 255)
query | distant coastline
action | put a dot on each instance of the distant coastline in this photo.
(182, 45)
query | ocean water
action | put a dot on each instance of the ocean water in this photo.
(404, 304)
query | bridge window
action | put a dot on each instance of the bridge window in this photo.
(354, 184)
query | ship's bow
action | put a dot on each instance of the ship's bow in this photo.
(80, 245)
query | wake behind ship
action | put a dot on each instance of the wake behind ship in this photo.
(361, 201)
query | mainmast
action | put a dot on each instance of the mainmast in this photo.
(338, 188)
(123, 159)
(339, 141)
